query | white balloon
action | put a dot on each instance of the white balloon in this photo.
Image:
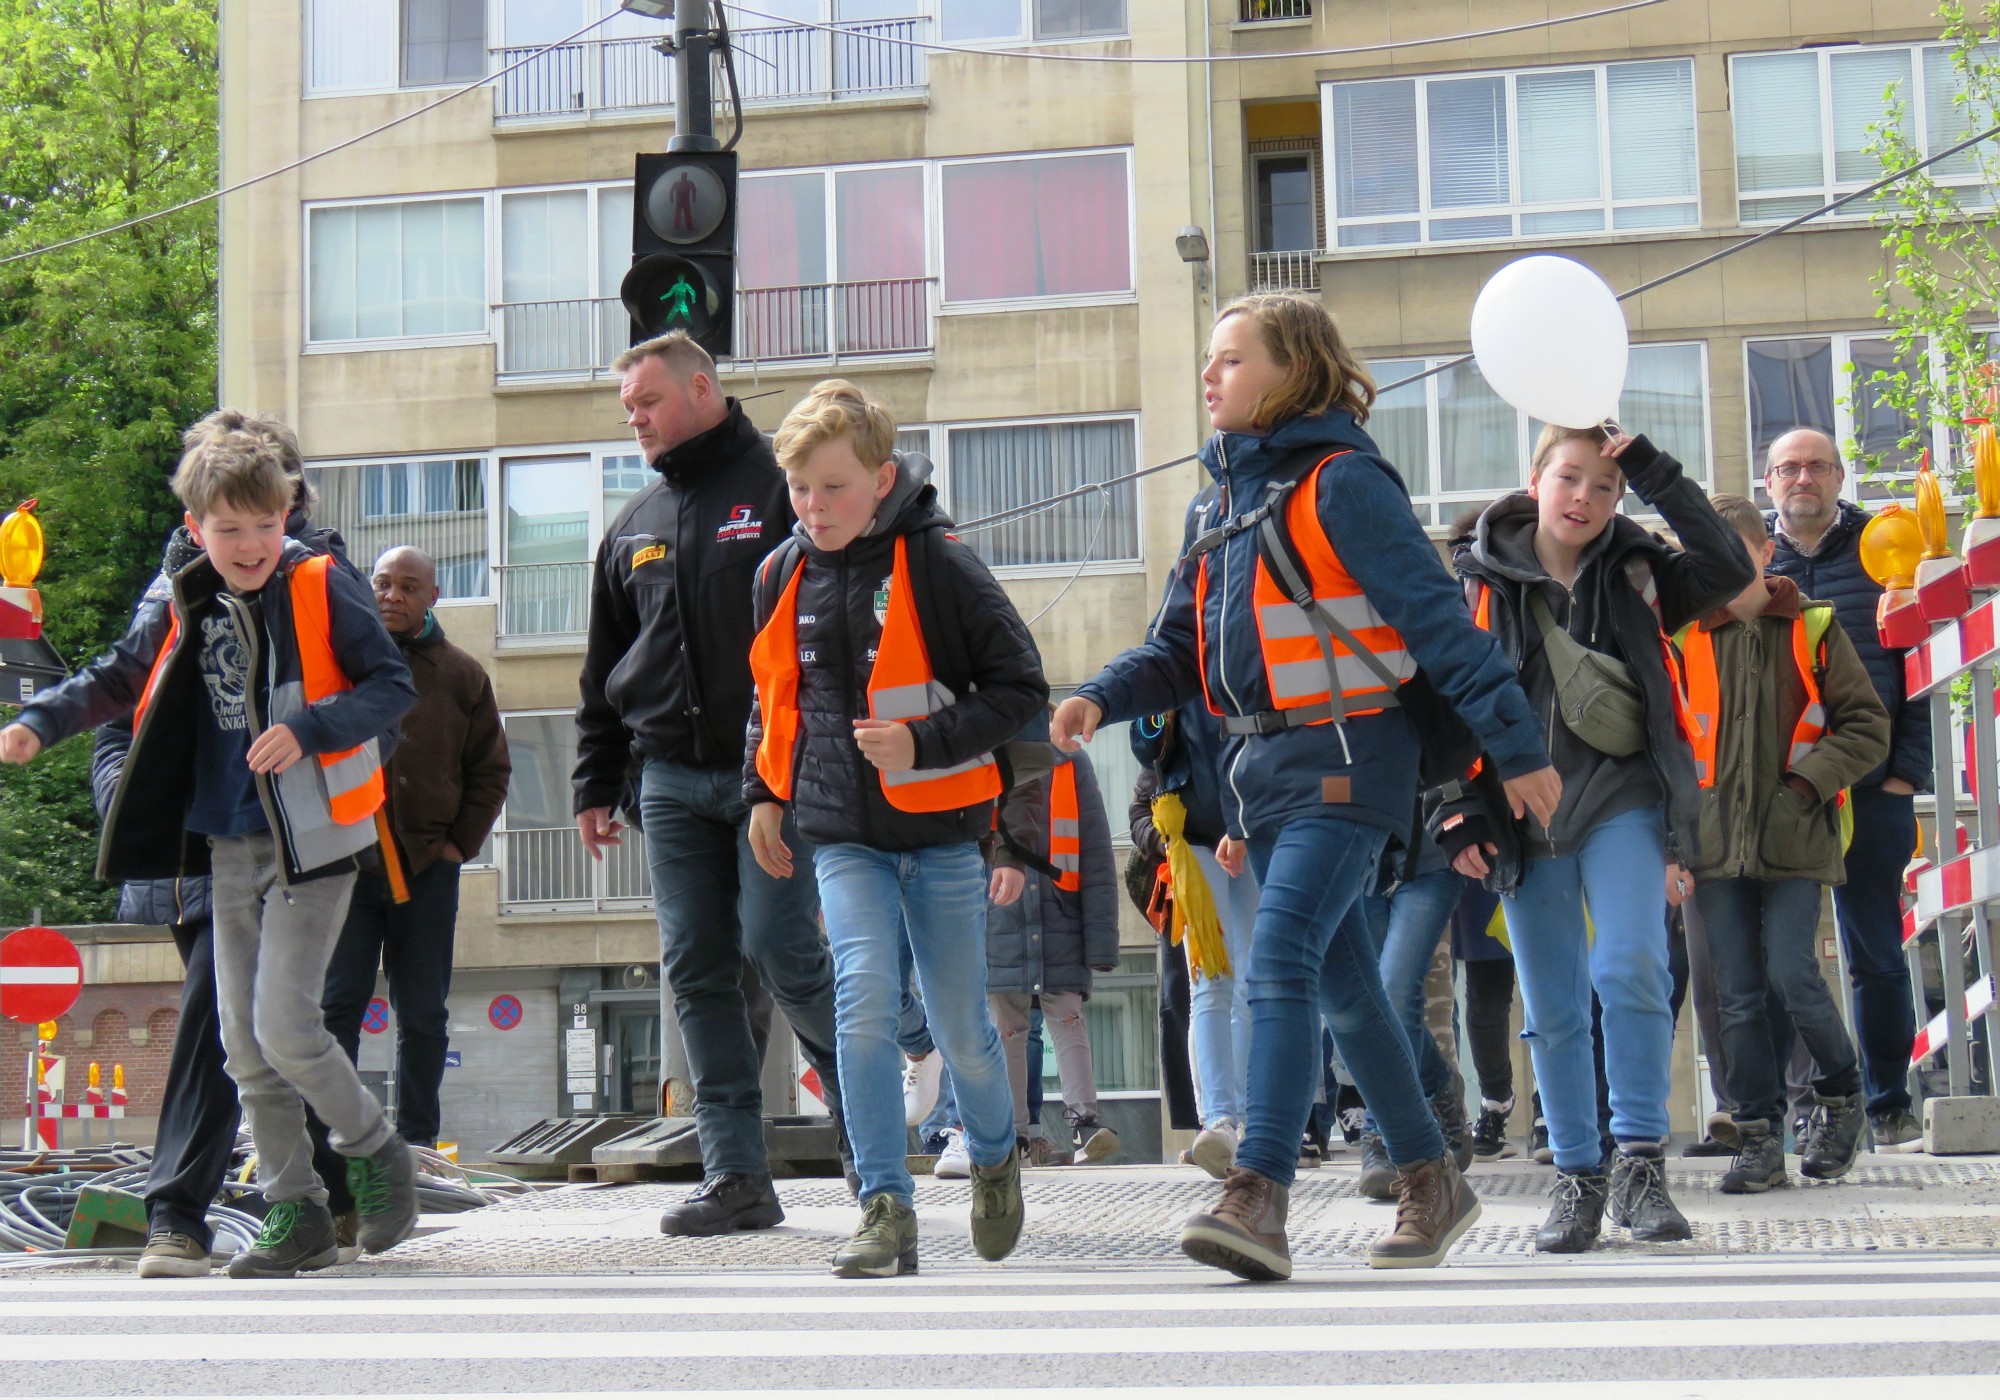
(1550, 338)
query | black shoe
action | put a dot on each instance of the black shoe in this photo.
(1489, 1132)
(1760, 1161)
(297, 1238)
(933, 1145)
(1577, 1216)
(1639, 1199)
(1708, 1147)
(1378, 1173)
(1834, 1139)
(384, 1187)
(1448, 1107)
(1538, 1142)
(724, 1204)
(1896, 1131)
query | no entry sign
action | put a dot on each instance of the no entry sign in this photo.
(40, 975)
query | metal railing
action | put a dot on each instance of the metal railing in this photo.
(546, 869)
(792, 63)
(823, 321)
(1295, 270)
(543, 600)
(1251, 11)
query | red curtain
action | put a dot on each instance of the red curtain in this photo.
(1050, 227)
(884, 304)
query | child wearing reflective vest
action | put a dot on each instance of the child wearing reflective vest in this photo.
(1306, 599)
(1784, 720)
(889, 666)
(262, 701)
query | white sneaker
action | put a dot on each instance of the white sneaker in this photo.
(921, 1080)
(1215, 1147)
(954, 1163)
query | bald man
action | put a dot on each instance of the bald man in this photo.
(1818, 539)
(446, 782)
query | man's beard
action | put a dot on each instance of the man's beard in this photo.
(1797, 515)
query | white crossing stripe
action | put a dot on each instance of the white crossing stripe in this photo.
(1820, 1387)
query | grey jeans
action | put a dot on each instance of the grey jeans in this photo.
(272, 944)
(1063, 1011)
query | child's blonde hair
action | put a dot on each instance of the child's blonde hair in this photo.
(235, 463)
(1304, 340)
(836, 409)
(1742, 516)
(1554, 436)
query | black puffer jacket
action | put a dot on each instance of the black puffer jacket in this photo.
(990, 665)
(1832, 573)
(1050, 940)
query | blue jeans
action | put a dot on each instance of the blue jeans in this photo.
(715, 907)
(1312, 953)
(1620, 872)
(913, 1027)
(938, 896)
(1760, 939)
(1410, 924)
(1219, 1007)
(1869, 910)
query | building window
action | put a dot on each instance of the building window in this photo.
(1287, 208)
(437, 504)
(1529, 154)
(1459, 445)
(541, 857)
(1802, 125)
(988, 468)
(555, 510)
(396, 270)
(976, 21)
(1056, 226)
(562, 255)
(444, 41)
(1123, 1017)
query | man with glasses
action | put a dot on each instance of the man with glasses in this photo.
(1819, 547)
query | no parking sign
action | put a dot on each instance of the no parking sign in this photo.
(505, 1012)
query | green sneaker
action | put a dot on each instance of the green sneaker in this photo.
(297, 1238)
(997, 1213)
(384, 1187)
(886, 1243)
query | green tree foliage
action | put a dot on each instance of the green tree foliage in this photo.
(107, 350)
(1939, 289)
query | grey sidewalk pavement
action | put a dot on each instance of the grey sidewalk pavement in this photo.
(1127, 1217)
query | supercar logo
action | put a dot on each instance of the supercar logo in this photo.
(741, 525)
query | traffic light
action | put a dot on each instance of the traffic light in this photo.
(683, 273)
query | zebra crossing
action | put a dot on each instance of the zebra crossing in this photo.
(1624, 1328)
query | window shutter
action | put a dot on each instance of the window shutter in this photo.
(1652, 131)
(1375, 148)
(1778, 140)
(1557, 118)
(1468, 142)
(350, 45)
(1859, 81)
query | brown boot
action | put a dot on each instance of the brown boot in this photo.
(1434, 1205)
(1244, 1232)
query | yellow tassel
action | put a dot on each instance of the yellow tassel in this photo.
(1195, 920)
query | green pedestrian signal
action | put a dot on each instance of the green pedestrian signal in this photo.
(680, 300)
(683, 275)
(667, 292)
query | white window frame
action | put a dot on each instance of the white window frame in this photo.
(595, 451)
(1515, 208)
(939, 451)
(1023, 36)
(488, 484)
(1830, 188)
(495, 11)
(1436, 507)
(496, 282)
(1130, 296)
(928, 171)
(490, 243)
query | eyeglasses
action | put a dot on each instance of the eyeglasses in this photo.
(1792, 471)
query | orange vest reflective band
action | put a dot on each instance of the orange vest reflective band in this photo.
(1298, 670)
(901, 686)
(354, 784)
(1704, 699)
(1065, 829)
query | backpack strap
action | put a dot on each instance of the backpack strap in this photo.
(775, 574)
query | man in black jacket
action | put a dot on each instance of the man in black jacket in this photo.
(666, 679)
(1819, 548)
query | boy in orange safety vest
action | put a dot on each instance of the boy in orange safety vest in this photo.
(889, 666)
(1782, 719)
(262, 701)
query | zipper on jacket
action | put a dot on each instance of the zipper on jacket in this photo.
(253, 639)
(848, 712)
(1228, 502)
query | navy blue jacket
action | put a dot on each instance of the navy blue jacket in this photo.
(1271, 780)
(1833, 574)
(1049, 939)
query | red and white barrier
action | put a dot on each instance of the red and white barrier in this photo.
(1932, 1038)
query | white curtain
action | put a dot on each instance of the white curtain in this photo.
(1479, 434)
(402, 269)
(995, 469)
(1666, 398)
(1400, 423)
(350, 45)
(1778, 141)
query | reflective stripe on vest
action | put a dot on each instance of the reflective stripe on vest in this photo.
(1065, 829)
(354, 786)
(901, 686)
(1704, 698)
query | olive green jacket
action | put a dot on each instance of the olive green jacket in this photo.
(1753, 825)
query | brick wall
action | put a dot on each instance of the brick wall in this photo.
(124, 1023)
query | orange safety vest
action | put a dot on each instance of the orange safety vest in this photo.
(901, 686)
(354, 786)
(1704, 698)
(1300, 669)
(1065, 829)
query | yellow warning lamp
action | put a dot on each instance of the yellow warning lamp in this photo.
(47, 1030)
(1930, 512)
(21, 547)
(1892, 544)
(1985, 469)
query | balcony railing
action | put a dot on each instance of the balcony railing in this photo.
(1252, 11)
(1292, 271)
(548, 870)
(792, 63)
(825, 321)
(543, 600)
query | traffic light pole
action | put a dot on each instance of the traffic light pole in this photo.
(694, 99)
